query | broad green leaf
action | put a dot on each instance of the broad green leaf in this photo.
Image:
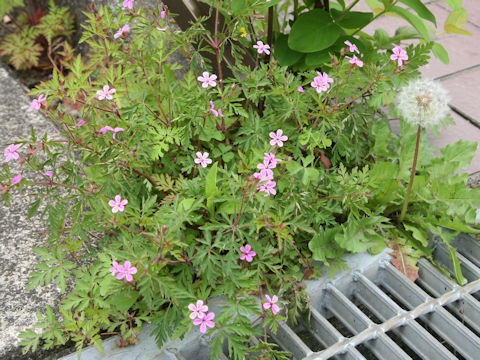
(313, 31)
(238, 6)
(211, 182)
(283, 53)
(457, 270)
(352, 19)
(124, 301)
(454, 4)
(420, 9)
(413, 19)
(455, 21)
(440, 52)
(418, 233)
(461, 152)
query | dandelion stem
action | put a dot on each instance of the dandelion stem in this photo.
(412, 175)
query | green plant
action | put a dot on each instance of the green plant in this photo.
(36, 35)
(174, 167)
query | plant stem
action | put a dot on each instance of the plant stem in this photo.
(412, 175)
(217, 46)
(270, 26)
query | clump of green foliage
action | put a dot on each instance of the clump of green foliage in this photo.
(36, 35)
(340, 184)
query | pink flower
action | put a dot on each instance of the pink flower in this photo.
(202, 159)
(204, 322)
(106, 93)
(300, 89)
(271, 304)
(105, 129)
(80, 123)
(199, 310)
(128, 4)
(48, 173)
(247, 254)
(268, 188)
(351, 47)
(207, 79)
(354, 60)
(117, 129)
(126, 271)
(116, 268)
(399, 54)
(16, 179)
(38, 103)
(11, 152)
(118, 204)
(163, 14)
(320, 82)
(262, 48)
(271, 160)
(161, 29)
(125, 28)
(215, 112)
(278, 138)
(264, 175)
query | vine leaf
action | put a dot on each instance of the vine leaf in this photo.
(404, 261)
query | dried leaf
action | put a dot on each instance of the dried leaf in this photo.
(403, 261)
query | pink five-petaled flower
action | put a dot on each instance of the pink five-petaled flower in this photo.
(11, 152)
(271, 304)
(269, 188)
(300, 89)
(262, 48)
(320, 82)
(215, 112)
(354, 60)
(198, 310)
(278, 138)
(128, 4)
(125, 28)
(116, 268)
(126, 271)
(163, 14)
(264, 175)
(271, 160)
(351, 47)
(80, 123)
(16, 179)
(48, 173)
(247, 253)
(205, 321)
(207, 79)
(118, 204)
(398, 54)
(38, 103)
(202, 159)
(106, 93)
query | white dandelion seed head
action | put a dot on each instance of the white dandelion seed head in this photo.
(423, 102)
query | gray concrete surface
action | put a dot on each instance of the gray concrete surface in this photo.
(19, 235)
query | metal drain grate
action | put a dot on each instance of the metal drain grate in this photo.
(380, 314)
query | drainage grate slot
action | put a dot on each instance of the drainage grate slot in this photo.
(424, 321)
(468, 247)
(441, 321)
(412, 334)
(382, 346)
(467, 309)
(288, 340)
(365, 351)
(327, 335)
(308, 338)
(410, 352)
